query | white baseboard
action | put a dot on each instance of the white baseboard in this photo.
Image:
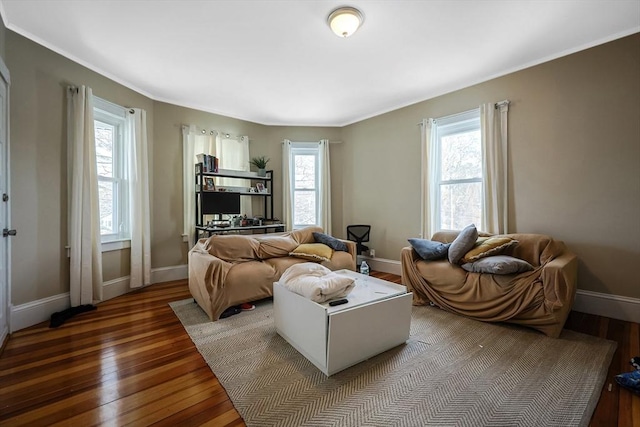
(613, 306)
(384, 265)
(115, 288)
(34, 312)
(169, 274)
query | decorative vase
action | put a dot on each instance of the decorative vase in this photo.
(262, 172)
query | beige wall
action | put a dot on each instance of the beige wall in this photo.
(574, 161)
(167, 247)
(38, 167)
(273, 150)
(39, 76)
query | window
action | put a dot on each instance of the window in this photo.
(458, 173)
(109, 124)
(305, 183)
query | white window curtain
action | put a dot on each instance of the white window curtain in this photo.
(287, 197)
(493, 127)
(325, 187)
(429, 164)
(193, 143)
(233, 154)
(85, 266)
(138, 171)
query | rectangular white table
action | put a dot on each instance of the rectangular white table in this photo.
(376, 318)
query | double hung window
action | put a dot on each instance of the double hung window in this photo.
(111, 161)
(458, 175)
(305, 184)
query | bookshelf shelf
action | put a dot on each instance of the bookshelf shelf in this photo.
(210, 202)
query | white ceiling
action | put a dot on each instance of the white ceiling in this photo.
(278, 63)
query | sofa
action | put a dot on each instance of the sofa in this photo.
(540, 298)
(228, 270)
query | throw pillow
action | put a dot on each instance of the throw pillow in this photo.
(488, 247)
(430, 250)
(463, 243)
(498, 264)
(332, 242)
(313, 252)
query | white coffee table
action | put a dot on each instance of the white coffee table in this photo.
(376, 318)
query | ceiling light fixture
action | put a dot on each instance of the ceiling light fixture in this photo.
(345, 21)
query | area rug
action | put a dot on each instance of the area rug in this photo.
(453, 371)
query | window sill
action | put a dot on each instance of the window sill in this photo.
(113, 245)
(116, 245)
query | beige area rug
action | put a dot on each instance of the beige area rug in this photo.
(453, 371)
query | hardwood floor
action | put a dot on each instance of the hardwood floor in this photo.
(131, 362)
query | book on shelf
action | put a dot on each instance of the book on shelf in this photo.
(209, 162)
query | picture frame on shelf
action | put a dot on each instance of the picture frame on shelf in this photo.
(260, 188)
(209, 184)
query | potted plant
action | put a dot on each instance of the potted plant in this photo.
(261, 164)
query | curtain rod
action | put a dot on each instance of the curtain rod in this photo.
(496, 106)
(204, 131)
(313, 142)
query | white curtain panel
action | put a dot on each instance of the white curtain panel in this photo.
(85, 266)
(188, 185)
(233, 154)
(287, 198)
(427, 188)
(494, 154)
(193, 143)
(325, 187)
(138, 175)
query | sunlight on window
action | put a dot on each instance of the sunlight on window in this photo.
(304, 194)
(460, 175)
(109, 130)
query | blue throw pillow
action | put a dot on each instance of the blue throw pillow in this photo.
(430, 250)
(498, 264)
(332, 242)
(463, 243)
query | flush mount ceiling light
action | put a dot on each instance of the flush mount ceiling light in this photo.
(345, 21)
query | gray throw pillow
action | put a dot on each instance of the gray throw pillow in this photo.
(430, 250)
(463, 243)
(498, 264)
(332, 242)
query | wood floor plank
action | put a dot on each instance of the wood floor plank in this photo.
(130, 362)
(107, 391)
(112, 410)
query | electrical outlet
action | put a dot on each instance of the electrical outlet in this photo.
(372, 253)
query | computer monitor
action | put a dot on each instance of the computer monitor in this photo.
(220, 202)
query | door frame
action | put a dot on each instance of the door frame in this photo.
(6, 328)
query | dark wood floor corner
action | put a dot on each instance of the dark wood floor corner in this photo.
(131, 362)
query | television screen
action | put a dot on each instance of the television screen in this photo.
(220, 202)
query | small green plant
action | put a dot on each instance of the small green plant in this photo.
(260, 162)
